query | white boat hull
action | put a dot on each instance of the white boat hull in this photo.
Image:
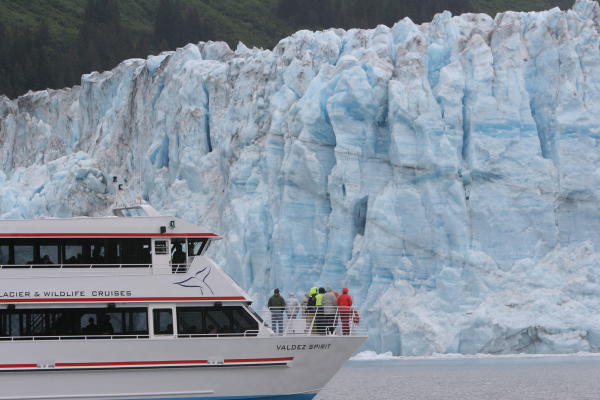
(284, 367)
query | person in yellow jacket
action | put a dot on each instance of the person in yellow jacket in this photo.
(310, 309)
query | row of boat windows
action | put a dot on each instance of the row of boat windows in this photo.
(101, 322)
(88, 251)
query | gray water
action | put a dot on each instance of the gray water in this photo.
(520, 378)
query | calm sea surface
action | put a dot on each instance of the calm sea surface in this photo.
(561, 377)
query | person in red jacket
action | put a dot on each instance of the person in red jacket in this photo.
(344, 302)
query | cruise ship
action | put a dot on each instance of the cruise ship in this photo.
(130, 307)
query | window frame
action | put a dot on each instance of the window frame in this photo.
(156, 313)
(132, 252)
(229, 311)
(72, 320)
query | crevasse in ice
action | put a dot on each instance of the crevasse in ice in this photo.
(447, 173)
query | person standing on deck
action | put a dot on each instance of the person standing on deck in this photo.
(329, 310)
(320, 315)
(277, 306)
(292, 307)
(304, 305)
(344, 303)
(311, 308)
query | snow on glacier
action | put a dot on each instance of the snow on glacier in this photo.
(448, 173)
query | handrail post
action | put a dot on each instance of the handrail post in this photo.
(312, 321)
(335, 319)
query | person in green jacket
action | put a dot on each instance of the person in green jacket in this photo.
(277, 305)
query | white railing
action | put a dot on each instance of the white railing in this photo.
(176, 268)
(310, 321)
(70, 266)
(248, 333)
(72, 337)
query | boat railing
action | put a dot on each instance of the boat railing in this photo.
(248, 333)
(137, 268)
(71, 337)
(310, 321)
(78, 266)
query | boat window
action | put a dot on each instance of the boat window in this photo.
(195, 246)
(4, 325)
(178, 250)
(179, 255)
(49, 254)
(160, 247)
(97, 252)
(23, 254)
(73, 253)
(74, 322)
(4, 254)
(242, 321)
(130, 212)
(76, 252)
(190, 320)
(97, 323)
(135, 251)
(163, 321)
(214, 320)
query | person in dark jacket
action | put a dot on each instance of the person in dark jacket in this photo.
(344, 303)
(178, 259)
(311, 309)
(320, 320)
(277, 306)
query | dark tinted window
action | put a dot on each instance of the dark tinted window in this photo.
(135, 251)
(76, 251)
(163, 321)
(4, 325)
(23, 254)
(97, 252)
(49, 254)
(74, 322)
(195, 246)
(241, 321)
(130, 321)
(213, 320)
(190, 320)
(178, 250)
(4, 254)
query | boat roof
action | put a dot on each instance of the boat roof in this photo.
(112, 226)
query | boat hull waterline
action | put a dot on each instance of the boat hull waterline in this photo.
(272, 368)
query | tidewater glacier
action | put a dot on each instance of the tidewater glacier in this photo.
(447, 173)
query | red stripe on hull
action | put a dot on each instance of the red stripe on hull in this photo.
(118, 299)
(147, 363)
(130, 363)
(254, 360)
(18, 365)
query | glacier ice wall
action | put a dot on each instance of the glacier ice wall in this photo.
(448, 173)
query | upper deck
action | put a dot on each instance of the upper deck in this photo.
(136, 237)
(136, 254)
(102, 227)
(100, 242)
